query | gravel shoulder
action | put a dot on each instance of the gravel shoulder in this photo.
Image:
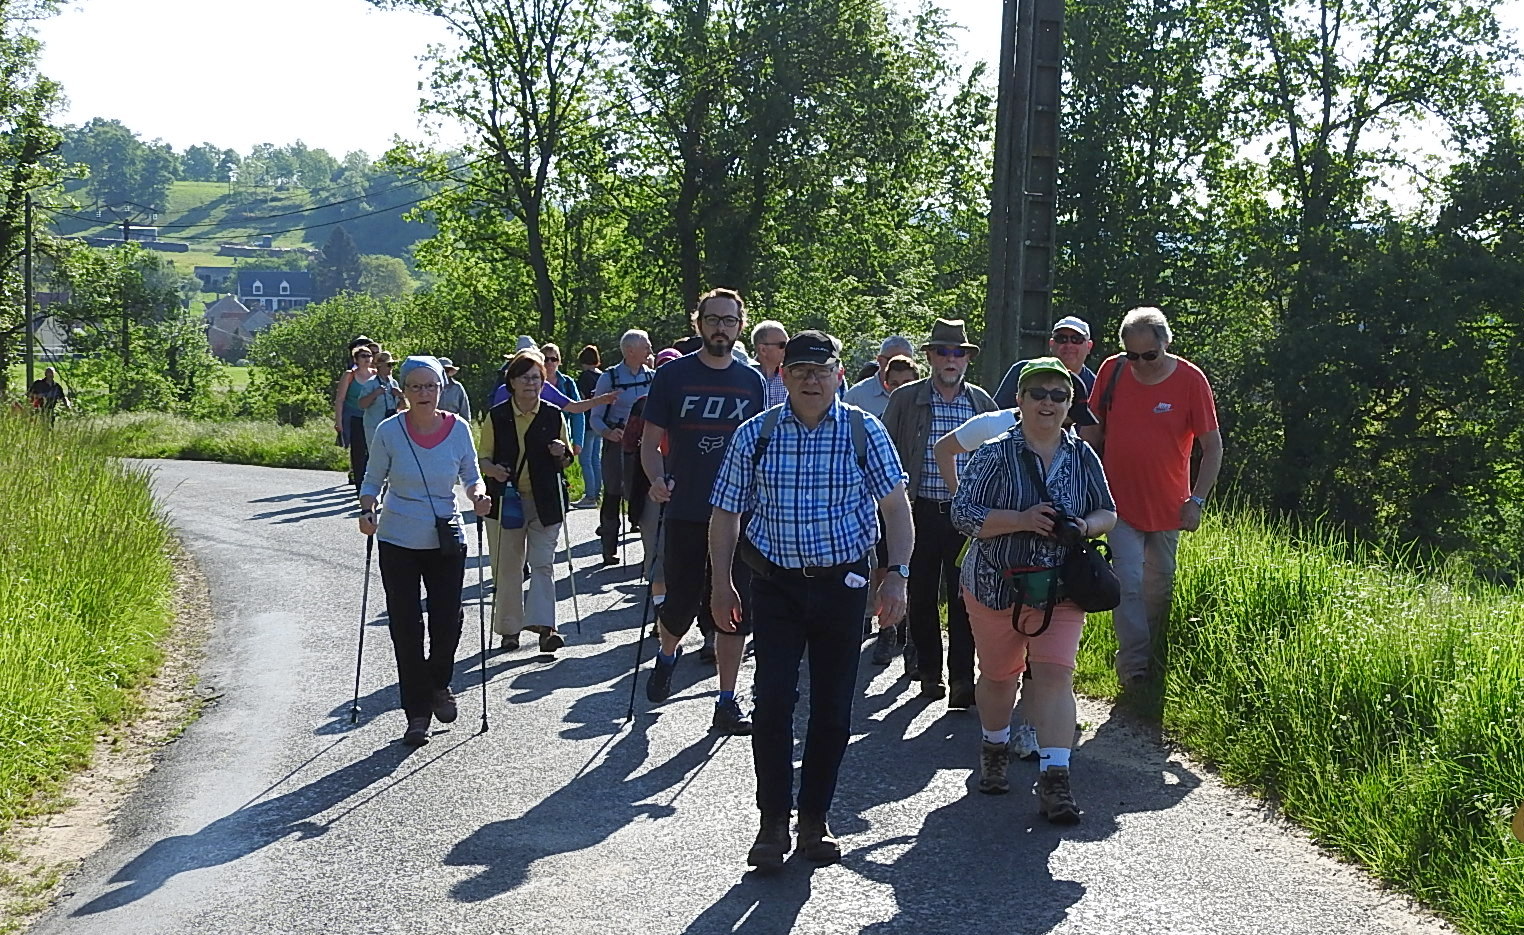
(273, 814)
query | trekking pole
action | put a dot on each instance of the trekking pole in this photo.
(370, 548)
(640, 642)
(571, 571)
(481, 613)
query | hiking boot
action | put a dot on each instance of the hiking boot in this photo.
(730, 719)
(550, 641)
(444, 706)
(932, 688)
(883, 647)
(659, 684)
(1054, 800)
(417, 731)
(772, 844)
(1024, 742)
(706, 651)
(961, 695)
(610, 560)
(816, 843)
(994, 760)
(912, 659)
(509, 642)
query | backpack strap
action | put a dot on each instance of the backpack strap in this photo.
(860, 439)
(769, 423)
(857, 420)
(1111, 388)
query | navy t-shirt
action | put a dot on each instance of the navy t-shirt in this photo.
(700, 408)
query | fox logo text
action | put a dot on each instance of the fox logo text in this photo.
(714, 407)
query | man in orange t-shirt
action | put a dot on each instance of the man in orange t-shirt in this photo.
(1152, 410)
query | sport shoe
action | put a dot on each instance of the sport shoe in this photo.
(883, 647)
(961, 695)
(1024, 742)
(816, 843)
(932, 688)
(444, 706)
(417, 732)
(659, 684)
(550, 641)
(706, 651)
(510, 641)
(1054, 800)
(730, 719)
(772, 844)
(994, 759)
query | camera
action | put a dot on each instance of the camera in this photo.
(1066, 529)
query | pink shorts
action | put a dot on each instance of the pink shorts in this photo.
(1003, 652)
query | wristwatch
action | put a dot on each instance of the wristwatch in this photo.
(902, 570)
(1199, 501)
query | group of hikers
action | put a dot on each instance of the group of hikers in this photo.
(816, 512)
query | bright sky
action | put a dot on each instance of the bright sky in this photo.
(336, 74)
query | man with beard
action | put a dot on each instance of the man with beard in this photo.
(695, 404)
(918, 414)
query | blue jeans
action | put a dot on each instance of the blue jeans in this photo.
(591, 463)
(794, 618)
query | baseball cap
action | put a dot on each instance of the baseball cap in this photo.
(447, 364)
(1041, 365)
(812, 347)
(666, 354)
(1073, 324)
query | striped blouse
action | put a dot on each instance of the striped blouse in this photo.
(996, 479)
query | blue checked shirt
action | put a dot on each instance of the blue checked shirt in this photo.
(945, 417)
(810, 503)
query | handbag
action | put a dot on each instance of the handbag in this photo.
(507, 502)
(1086, 572)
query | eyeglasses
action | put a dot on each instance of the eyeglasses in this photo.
(812, 372)
(1069, 339)
(532, 376)
(1058, 394)
(1146, 355)
(778, 344)
(950, 351)
(715, 321)
(421, 387)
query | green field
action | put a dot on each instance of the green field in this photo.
(86, 599)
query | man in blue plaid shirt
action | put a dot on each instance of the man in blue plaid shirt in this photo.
(813, 509)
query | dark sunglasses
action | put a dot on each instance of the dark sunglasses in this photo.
(552, 360)
(950, 351)
(1058, 394)
(1146, 355)
(1069, 339)
(364, 354)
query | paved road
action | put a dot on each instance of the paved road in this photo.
(273, 815)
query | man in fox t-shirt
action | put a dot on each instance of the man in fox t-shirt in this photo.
(1152, 409)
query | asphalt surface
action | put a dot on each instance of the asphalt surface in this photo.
(272, 814)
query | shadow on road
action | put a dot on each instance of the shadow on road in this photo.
(247, 830)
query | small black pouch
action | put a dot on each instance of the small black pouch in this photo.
(452, 538)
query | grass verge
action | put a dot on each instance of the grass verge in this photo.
(87, 571)
(1379, 708)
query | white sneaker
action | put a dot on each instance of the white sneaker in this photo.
(1024, 741)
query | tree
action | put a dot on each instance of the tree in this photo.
(122, 167)
(385, 277)
(338, 269)
(199, 163)
(519, 84)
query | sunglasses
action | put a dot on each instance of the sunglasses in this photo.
(1069, 339)
(364, 354)
(1058, 394)
(552, 360)
(1146, 355)
(950, 351)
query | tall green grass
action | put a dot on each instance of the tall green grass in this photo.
(85, 592)
(1382, 709)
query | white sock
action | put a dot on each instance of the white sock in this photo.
(1003, 735)
(1053, 756)
(658, 599)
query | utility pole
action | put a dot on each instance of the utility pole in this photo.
(31, 299)
(1018, 314)
(124, 212)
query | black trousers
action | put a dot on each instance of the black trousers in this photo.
(932, 564)
(420, 675)
(359, 452)
(685, 567)
(794, 618)
(613, 497)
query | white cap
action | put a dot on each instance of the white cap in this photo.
(1073, 324)
(526, 343)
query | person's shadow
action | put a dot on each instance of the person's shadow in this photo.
(246, 830)
(581, 814)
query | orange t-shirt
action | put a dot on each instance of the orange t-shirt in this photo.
(1149, 433)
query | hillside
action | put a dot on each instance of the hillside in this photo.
(207, 214)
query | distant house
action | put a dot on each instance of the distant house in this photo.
(213, 278)
(274, 290)
(230, 326)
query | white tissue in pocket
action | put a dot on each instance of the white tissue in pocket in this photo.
(854, 580)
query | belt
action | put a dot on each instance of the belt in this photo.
(814, 571)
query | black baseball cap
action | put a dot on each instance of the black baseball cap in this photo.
(812, 347)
